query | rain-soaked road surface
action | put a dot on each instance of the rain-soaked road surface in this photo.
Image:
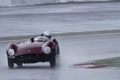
(73, 50)
(28, 20)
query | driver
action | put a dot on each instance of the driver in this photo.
(47, 35)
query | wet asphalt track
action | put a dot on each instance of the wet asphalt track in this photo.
(29, 20)
(73, 50)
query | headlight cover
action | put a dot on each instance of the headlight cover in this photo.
(47, 50)
(11, 52)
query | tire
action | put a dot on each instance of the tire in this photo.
(10, 63)
(58, 50)
(53, 62)
(53, 59)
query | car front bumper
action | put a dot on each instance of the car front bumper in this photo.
(33, 58)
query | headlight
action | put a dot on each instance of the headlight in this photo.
(47, 50)
(11, 52)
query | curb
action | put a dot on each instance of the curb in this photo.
(61, 34)
(90, 65)
(86, 65)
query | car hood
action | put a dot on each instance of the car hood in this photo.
(29, 48)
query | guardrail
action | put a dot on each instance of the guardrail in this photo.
(4, 3)
(60, 34)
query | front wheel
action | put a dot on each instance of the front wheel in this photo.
(53, 60)
(10, 63)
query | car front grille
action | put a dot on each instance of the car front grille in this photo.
(31, 58)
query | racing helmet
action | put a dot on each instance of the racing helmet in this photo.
(47, 34)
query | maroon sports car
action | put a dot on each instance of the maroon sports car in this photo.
(34, 50)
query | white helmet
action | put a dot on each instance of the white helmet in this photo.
(47, 34)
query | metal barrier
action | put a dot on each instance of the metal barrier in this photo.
(4, 3)
(61, 34)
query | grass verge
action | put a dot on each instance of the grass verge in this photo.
(113, 62)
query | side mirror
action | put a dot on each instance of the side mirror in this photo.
(18, 42)
(32, 40)
(55, 41)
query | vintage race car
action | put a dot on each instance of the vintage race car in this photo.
(34, 50)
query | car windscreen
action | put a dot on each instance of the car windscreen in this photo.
(39, 38)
